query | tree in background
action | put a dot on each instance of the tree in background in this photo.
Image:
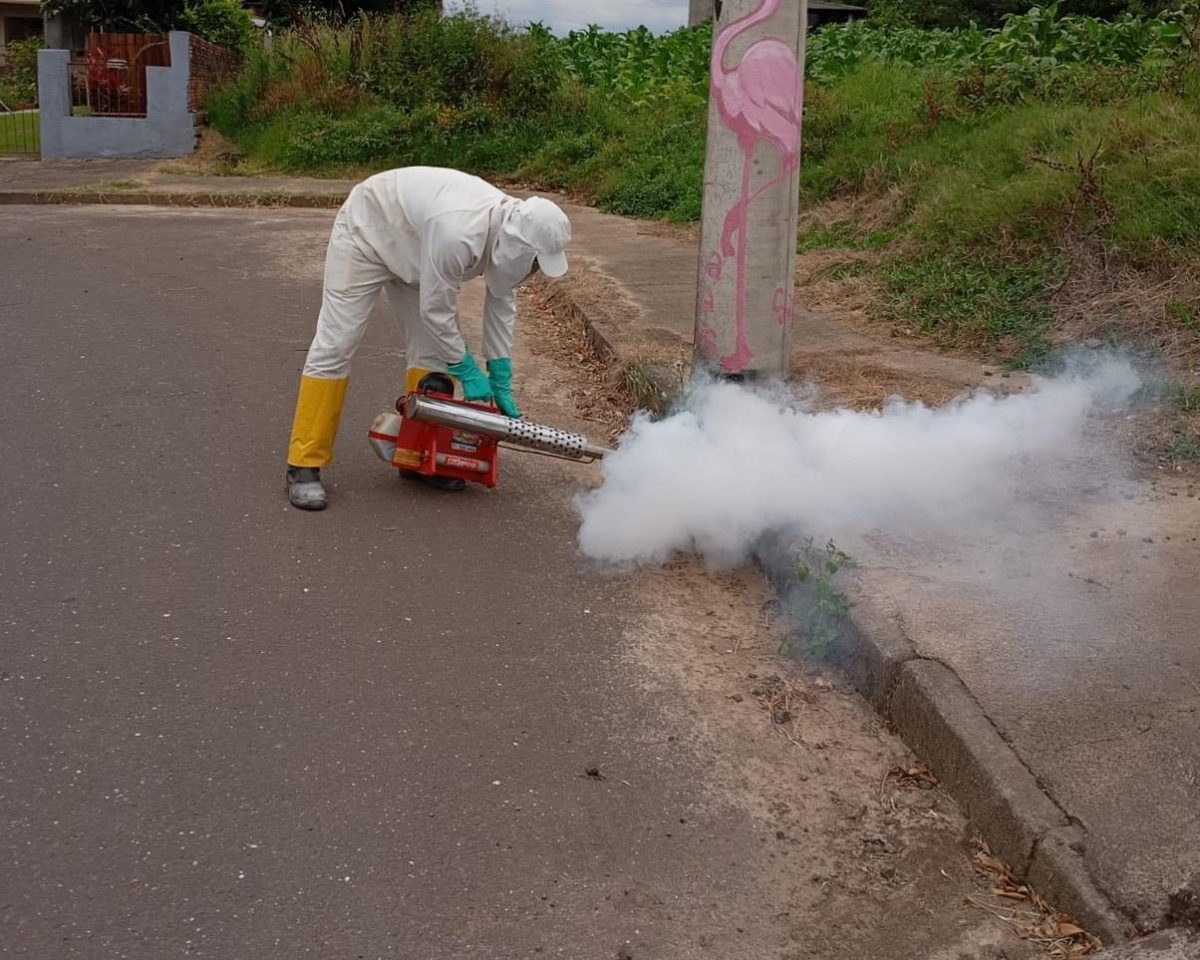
(118, 16)
(224, 22)
(220, 21)
(283, 12)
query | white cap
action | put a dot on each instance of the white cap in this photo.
(543, 225)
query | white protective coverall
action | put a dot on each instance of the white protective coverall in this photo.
(421, 232)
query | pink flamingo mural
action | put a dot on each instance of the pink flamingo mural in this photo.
(759, 99)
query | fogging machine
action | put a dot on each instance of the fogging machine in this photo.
(433, 434)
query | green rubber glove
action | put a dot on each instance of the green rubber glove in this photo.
(500, 375)
(474, 384)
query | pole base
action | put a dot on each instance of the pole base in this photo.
(742, 376)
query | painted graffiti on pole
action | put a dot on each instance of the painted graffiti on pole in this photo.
(759, 101)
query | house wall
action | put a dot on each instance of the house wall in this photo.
(17, 11)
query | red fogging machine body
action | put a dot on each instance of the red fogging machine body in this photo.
(433, 434)
(432, 449)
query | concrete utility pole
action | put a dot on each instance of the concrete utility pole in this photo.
(744, 300)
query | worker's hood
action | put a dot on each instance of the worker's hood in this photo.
(529, 229)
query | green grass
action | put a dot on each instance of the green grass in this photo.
(1182, 315)
(119, 185)
(1184, 446)
(1025, 172)
(1184, 396)
(992, 199)
(844, 235)
(974, 299)
(20, 133)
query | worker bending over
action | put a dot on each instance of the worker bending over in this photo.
(420, 232)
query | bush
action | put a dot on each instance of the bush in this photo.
(455, 61)
(18, 89)
(223, 22)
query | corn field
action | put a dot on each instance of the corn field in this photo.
(1026, 50)
(635, 62)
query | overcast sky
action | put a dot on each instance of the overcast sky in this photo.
(563, 15)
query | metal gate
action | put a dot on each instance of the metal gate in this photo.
(19, 132)
(19, 123)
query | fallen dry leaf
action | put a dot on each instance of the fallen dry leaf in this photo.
(917, 775)
(1057, 932)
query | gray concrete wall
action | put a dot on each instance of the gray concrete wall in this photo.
(167, 130)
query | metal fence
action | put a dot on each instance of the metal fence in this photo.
(210, 66)
(109, 80)
(19, 133)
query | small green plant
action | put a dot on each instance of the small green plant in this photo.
(654, 386)
(1184, 446)
(1186, 397)
(818, 606)
(1185, 316)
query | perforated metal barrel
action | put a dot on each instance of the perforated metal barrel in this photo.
(540, 437)
(519, 433)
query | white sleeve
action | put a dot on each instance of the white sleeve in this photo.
(499, 319)
(445, 258)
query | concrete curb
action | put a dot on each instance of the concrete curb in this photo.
(934, 712)
(651, 379)
(173, 198)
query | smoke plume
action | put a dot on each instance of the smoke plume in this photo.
(734, 464)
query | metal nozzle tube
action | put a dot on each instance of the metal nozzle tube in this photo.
(518, 433)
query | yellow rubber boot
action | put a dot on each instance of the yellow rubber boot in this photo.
(314, 428)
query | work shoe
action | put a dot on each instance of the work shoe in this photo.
(304, 488)
(445, 484)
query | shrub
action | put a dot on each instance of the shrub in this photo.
(18, 89)
(224, 22)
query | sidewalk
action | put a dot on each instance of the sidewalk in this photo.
(143, 182)
(1059, 701)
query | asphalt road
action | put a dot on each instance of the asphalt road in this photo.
(232, 729)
